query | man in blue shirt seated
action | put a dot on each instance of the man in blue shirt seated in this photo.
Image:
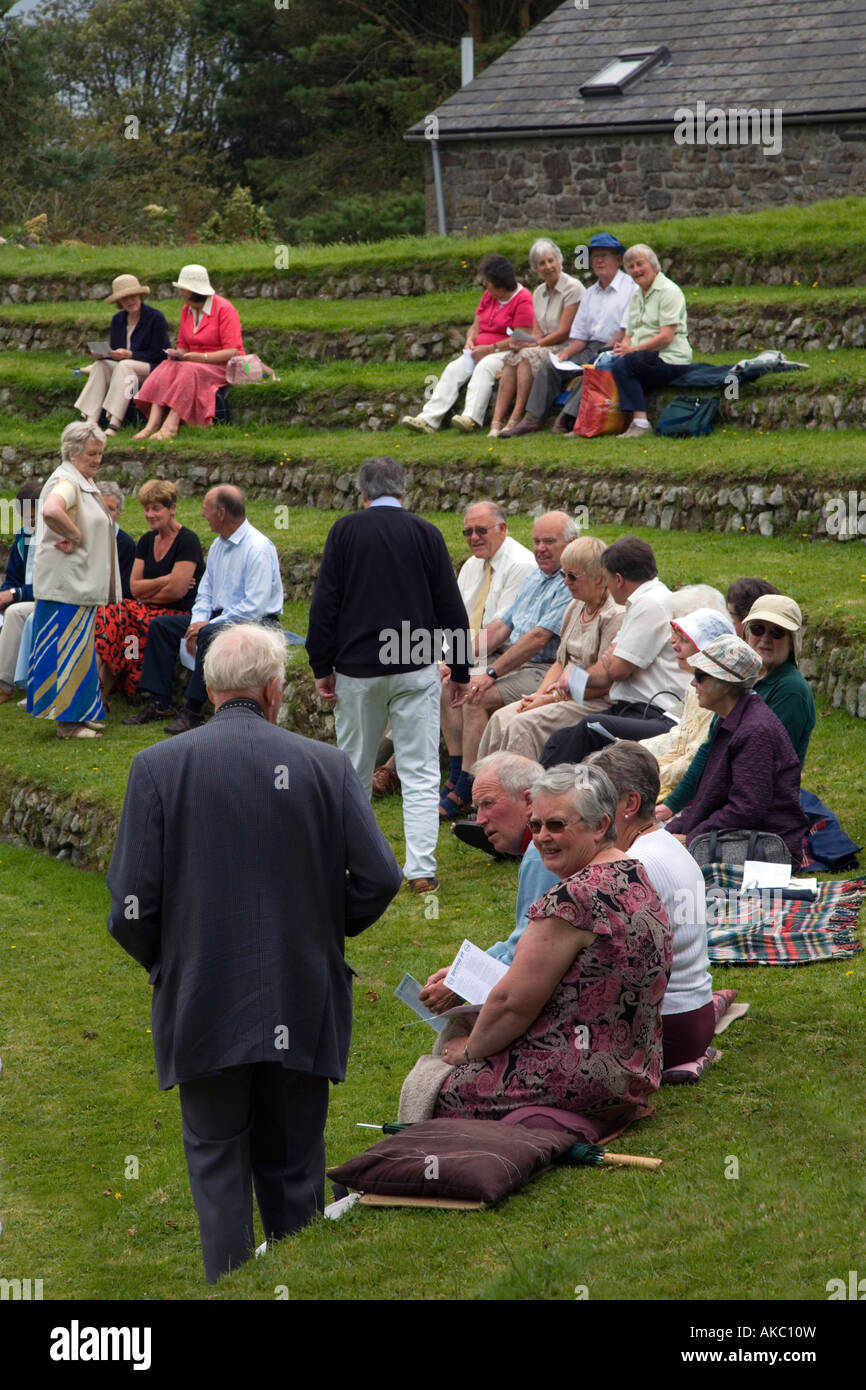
(241, 584)
(501, 792)
(530, 628)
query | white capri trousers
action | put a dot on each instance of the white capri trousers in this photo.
(15, 615)
(411, 701)
(110, 387)
(481, 382)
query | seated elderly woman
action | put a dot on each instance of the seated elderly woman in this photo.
(504, 304)
(555, 303)
(674, 750)
(589, 625)
(781, 686)
(166, 570)
(183, 389)
(656, 348)
(751, 776)
(688, 1016)
(137, 338)
(575, 1022)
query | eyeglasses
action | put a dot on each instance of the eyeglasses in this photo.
(777, 633)
(554, 826)
(700, 676)
(571, 577)
(475, 531)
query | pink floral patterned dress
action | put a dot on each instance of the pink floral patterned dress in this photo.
(596, 1046)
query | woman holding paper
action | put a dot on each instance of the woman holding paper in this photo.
(138, 338)
(589, 625)
(751, 776)
(575, 1022)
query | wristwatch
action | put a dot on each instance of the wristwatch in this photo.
(491, 672)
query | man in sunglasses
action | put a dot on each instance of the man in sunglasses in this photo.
(489, 582)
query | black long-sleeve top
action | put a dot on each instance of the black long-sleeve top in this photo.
(149, 337)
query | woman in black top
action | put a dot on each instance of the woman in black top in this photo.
(137, 338)
(165, 576)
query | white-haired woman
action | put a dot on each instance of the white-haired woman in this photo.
(656, 349)
(555, 303)
(575, 1021)
(75, 570)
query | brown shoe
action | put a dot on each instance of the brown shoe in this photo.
(385, 781)
(563, 424)
(150, 712)
(527, 426)
(423, 885)
(7, 695)
(185, 721)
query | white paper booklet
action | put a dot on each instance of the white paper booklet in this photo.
(567, 366)
(473, 973)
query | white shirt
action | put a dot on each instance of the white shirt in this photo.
(645, 640)
(680, 884)
(511, 566)
(601, 312)
(242, 578)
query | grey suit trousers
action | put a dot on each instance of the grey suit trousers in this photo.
(260, 1125)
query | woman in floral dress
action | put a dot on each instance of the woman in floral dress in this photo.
(575, 1023)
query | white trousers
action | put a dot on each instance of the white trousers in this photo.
(15, 615)
(411, 702)
(110, 387)
(456, 374)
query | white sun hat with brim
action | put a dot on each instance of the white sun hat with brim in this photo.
(195, 279)
(728, 658)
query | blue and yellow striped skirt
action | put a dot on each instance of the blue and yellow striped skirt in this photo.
(62, 679)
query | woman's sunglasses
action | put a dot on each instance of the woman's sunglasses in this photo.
(777, 633)
(554, 826)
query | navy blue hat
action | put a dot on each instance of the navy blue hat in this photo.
(606, 241)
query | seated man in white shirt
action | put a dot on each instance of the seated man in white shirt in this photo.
(241, 583)
(597, 325)
(639, 669)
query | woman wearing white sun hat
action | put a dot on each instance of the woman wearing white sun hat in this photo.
(183, 389)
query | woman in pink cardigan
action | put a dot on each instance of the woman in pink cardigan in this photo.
(183, 388)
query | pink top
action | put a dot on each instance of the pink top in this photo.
(493, 317)
(221, 328)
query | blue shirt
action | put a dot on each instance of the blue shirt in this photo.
(541, 603)
(242, 578)
(533, 882)
(601, 312)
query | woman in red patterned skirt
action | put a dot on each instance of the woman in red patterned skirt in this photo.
(183, 388)
(165, 576)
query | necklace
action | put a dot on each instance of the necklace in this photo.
(588, 614)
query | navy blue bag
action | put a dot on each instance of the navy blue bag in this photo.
(688, 416)
(828, 848)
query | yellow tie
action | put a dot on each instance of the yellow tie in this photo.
(476, 621)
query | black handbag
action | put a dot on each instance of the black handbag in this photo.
(688, 416)
(736, 846)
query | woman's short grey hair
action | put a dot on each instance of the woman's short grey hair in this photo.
(515, 773)
(540, 248)
(593, 794)
(381, 477)
(640, 248)
(76, 435)
(110, 489)
(694, 596)
(631, 768)
(245, 656)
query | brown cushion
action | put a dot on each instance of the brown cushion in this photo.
(476, 1160)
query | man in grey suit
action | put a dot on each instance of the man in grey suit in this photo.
(245, 855)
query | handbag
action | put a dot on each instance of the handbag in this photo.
(600, 411)
(736, 846)
(243, 369)
(688, 416)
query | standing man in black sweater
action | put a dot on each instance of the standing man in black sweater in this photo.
(386, 600)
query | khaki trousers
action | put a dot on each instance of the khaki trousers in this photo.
(110, 387)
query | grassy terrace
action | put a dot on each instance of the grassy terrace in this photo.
(821, 241)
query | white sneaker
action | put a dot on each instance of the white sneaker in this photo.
(636, 432)
(417, 422)
(464, 423)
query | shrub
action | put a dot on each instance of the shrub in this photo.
(360, 218)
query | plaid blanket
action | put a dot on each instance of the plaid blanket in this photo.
(762, 928)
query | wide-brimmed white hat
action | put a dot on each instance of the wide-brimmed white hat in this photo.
(195, 279)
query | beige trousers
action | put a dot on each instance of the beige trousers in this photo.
(527, 733)
(110, 387)
(15, 615)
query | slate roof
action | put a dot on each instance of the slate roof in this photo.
(805, 56)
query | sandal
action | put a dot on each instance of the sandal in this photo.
(65, 730)
(450, 807)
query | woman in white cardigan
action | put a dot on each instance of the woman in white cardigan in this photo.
(75, 571)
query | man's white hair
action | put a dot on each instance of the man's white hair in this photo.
(245, 656)
(514, 772)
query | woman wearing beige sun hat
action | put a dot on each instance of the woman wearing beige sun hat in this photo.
(138, 338)
(183, 389)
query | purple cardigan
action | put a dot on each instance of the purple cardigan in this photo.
(751, 779)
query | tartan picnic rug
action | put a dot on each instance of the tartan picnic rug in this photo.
(763, 928)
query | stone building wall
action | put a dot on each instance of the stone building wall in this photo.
(499, 185)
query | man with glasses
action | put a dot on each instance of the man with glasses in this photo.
(489, 582)
(525, 637)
